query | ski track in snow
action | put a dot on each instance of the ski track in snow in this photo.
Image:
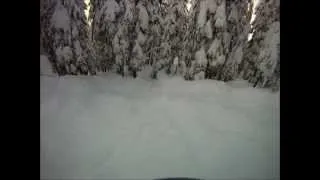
(114, 128)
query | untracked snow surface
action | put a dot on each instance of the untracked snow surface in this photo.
(110, 127)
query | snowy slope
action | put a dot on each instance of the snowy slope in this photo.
(109, 127)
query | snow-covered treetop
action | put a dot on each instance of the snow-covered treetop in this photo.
(233, 14)
(109, 10)
(206, 6)
(60, 18)
(130, 5)
(143, 16)
(202, 13)
(220, 15)
(212, 6)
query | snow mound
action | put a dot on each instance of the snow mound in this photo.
(238, 84)
(45, 66)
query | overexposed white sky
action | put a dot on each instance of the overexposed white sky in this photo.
(189, 5)
(255, 3)
(253, 16)
(87, 10)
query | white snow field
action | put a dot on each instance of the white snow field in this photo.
(109, 127)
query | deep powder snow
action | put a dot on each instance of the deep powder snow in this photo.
(109, 127)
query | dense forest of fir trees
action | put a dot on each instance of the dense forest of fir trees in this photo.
(195, 39)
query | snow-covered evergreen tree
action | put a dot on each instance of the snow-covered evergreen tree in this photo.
(63, 35)
(105, 19)
(138, 35)
(79, 38)
(262, 56)
(46, 10)
(174, 28)
(153, 40)
(218, 33)
(208, 37)
(46, 38)
(208, 40)
(238, 27)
